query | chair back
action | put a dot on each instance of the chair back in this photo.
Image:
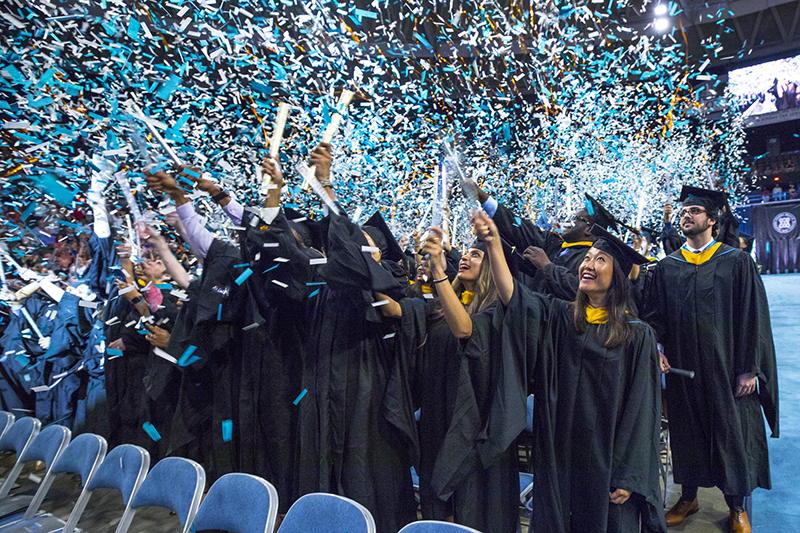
(83, 456)
(176, 484)
(16, 439)
(238, 503)
(124, 469)
(434, 526)
(48, 446)
(327, 513)
(6, 421)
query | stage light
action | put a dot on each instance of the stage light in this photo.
(661, 9)
(777, 178)
(661, 24)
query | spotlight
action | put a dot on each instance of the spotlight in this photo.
(661, 9)
(661, 24)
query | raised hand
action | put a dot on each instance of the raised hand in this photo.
(432, 246)
(485, 228)
(321, 157)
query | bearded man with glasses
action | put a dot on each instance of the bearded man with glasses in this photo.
(709, 309)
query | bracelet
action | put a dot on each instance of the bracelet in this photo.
(135, 301)
(328, 184)
(221, 196)
(440, 280)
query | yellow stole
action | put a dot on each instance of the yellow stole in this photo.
(596, 315)
(467, 297)
(426, 289)
(579, 243)
(702, 257)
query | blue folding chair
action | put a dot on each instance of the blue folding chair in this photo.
(124, 469)
(16, 439)
(327, 513)
(6, 421)
(238, 503)
(176, 484)
(48, 446)
(434, 526)
(83, 456)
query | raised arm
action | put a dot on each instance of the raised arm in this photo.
(486, 230)
(454, 313)
(173, 266)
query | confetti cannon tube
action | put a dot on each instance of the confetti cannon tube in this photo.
(333, 126)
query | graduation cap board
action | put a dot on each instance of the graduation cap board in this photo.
(621, 252)
(707, 198)
(377, 228)
(602, 217)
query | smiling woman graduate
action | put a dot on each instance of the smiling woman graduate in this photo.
(594, 371)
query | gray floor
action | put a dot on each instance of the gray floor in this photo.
(774, 511)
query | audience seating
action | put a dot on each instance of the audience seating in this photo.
(83, 456)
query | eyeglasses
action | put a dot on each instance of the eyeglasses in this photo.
(575, 218)
(693, 211)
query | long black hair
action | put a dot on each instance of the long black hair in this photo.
(619, 308)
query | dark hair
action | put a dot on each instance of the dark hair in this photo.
(485, 292)
(619, 308)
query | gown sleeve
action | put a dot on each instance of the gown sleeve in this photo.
(521, 335)
(754, 345)
(670, 239)
(348, 267)
(560, 281)
(636, 459)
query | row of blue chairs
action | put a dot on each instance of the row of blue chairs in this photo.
(237, 503)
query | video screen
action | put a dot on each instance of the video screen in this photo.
(767, 87)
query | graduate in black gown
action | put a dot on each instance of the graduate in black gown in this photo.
(594, 371)
(206, 342)
(709, 308)
(452, 386)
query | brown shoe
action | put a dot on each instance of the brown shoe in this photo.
(680, 511)
(739, 521)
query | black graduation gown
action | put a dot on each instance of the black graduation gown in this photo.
(211, 322)
(161, 382)
(350, 442)
(274, 352)
(454, 384)
(596, 416)
(713, 319)
(124, 375)
(560, 277)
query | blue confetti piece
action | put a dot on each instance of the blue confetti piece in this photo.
(316, 291)
(112, 352)
(133, 28)
(240, 265)
(169, 86)
(187, 358)
(271, 268)
(589, 207)
(219, 313)
(243, 276)
(297, 400)
(151, 431)
(227, 430)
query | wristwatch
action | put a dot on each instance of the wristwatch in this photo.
(221, 196)
(135, 301)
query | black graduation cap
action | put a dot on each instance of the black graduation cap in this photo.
(302, 225)
(708, 198)
(377, 228)
(621, 252)
(601, 216)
